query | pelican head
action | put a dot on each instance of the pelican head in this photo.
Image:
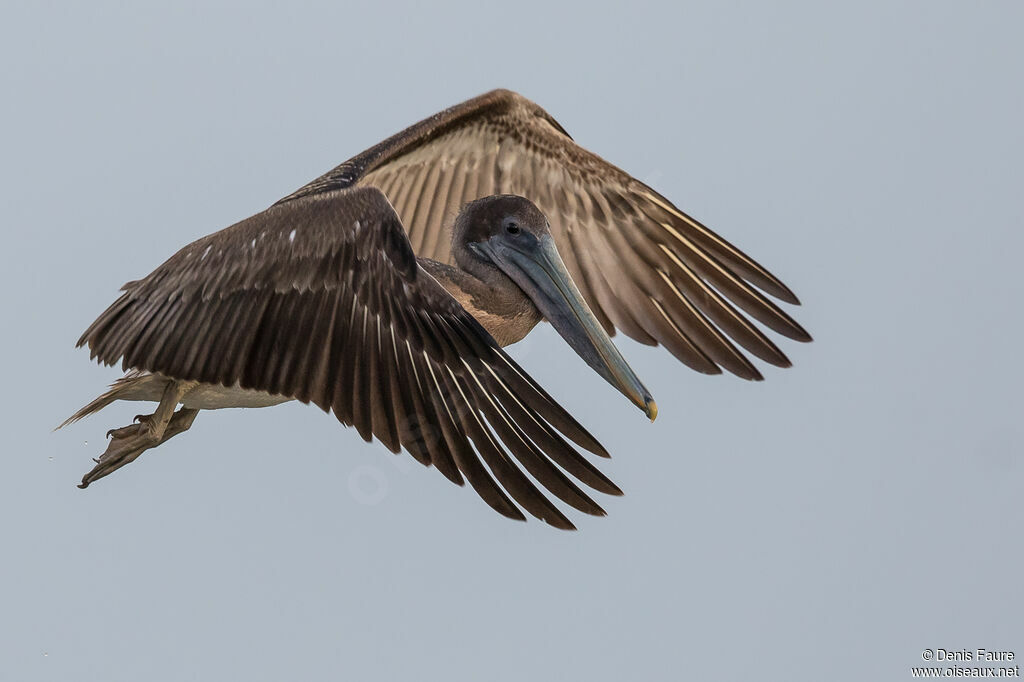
(506, 240)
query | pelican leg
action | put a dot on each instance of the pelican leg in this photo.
(128, 442)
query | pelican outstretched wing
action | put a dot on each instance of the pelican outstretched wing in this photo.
(321, 299)
(644, 266)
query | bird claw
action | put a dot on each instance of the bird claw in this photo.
(126, 444)
(124, 431)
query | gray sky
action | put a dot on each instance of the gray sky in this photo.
(829, 523)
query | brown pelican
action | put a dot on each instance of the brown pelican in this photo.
(352, 295)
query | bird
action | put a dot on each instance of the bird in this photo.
(386, 290)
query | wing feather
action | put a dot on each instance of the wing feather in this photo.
(644, 266)
(321, 299)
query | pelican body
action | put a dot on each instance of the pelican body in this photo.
(385, 291)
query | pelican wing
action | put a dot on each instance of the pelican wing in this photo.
(321, 299)
(644, 266)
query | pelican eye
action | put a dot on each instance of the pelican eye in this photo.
(512, 227)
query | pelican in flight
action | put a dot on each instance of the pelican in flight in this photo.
(385, 290)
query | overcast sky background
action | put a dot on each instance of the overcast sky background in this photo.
(829, 523)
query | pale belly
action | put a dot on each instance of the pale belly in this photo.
(145, 386)
(213, 397)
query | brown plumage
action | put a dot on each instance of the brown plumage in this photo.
(322, 298)
(644, 266)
